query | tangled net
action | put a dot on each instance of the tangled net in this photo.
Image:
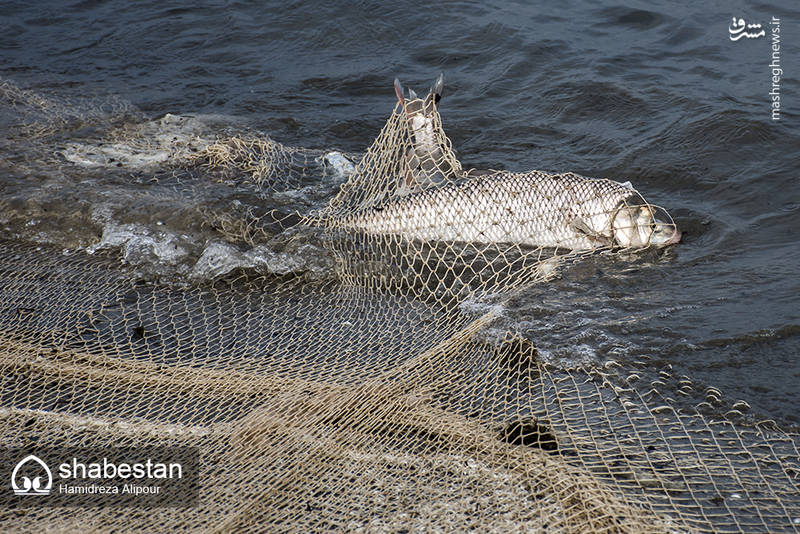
(374, 402)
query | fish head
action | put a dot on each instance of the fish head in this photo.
(643, 225)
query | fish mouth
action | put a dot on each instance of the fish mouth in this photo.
(659, 237)
(643, 225)
(675, 239)
(666, 232)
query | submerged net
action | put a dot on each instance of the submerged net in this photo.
(375, 401)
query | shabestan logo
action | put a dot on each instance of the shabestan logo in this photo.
(24, 485)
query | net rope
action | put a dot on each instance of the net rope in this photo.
(374, 401)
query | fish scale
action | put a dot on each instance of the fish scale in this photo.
(534, 208)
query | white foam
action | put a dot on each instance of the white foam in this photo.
(482, 305)
(140, 245)
(171, 138)
(220, 258)
(341, 166)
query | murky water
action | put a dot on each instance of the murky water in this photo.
(647, 92)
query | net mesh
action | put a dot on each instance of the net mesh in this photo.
(375, 401)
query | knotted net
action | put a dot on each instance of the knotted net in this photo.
(373, 400)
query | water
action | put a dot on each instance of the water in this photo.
(645, 92)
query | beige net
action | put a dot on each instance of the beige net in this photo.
(375, 401)
(41, 115)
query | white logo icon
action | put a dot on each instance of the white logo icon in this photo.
(31, 487)
(739, 29)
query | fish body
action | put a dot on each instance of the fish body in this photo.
(434, 200)
(535, 209)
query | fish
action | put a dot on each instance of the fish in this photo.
(535, 209)
(435, 200)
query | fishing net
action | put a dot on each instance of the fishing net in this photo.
(376, 400)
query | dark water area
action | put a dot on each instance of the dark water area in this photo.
(650, 92)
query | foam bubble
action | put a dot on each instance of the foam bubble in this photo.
(140, 245)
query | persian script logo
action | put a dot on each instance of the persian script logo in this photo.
(739, 29)
(31, 486)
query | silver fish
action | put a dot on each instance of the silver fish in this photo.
(535, 209)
